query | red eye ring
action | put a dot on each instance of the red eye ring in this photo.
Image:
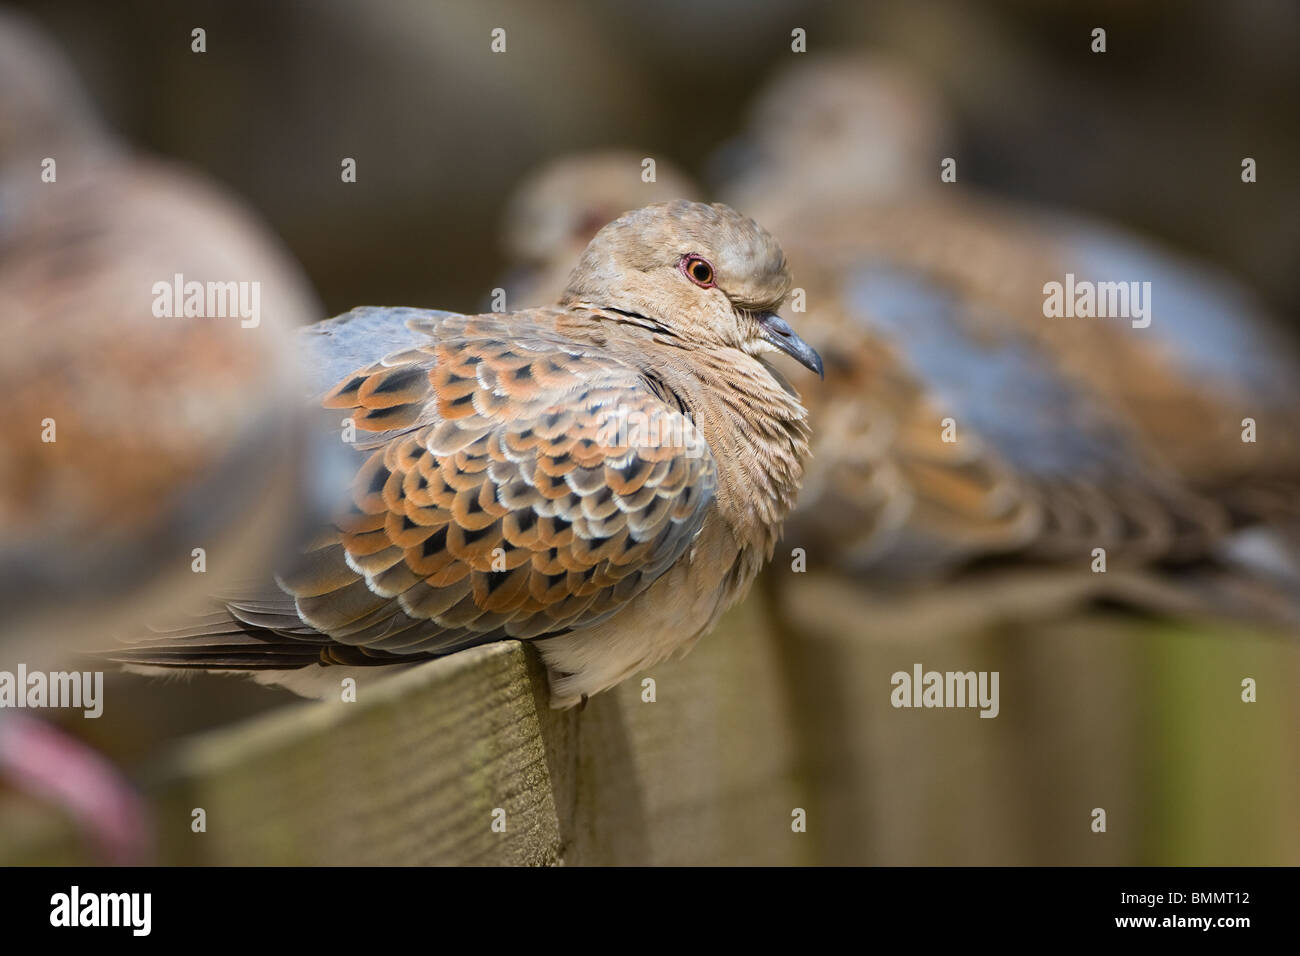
(698, 269)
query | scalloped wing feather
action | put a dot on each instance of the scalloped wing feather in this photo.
(498, 498)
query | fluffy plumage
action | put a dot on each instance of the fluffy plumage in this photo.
(604, 476)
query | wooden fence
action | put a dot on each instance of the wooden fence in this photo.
(782, 714)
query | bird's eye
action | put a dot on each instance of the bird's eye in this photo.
(698, 270)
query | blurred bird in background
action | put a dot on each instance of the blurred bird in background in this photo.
(1081, 432)
(131, 438)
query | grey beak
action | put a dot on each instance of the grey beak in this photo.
(777, 331)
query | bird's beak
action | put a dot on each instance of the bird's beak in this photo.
(778, 332)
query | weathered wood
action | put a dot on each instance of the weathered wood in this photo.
(1222, 777)
(413, 770)
(1098, 710)
(408, 774)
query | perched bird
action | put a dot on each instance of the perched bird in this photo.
(141, 422)
(604, 476)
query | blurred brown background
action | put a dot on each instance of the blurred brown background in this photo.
(1151, 133)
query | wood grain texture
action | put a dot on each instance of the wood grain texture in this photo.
(944, 786)
(411, 772)
(1099, 708)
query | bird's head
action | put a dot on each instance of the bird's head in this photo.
(703, 274)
